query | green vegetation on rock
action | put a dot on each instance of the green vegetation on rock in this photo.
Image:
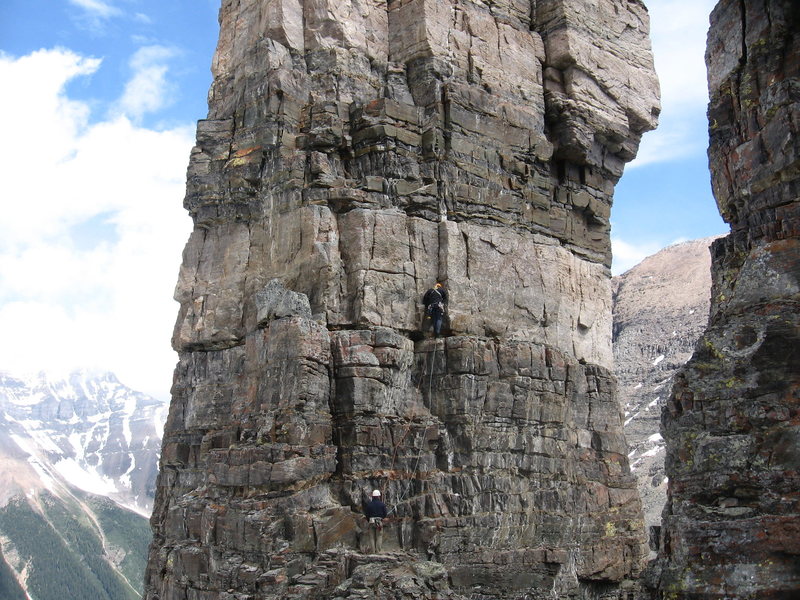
(127, 531)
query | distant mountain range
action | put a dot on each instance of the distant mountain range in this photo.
(78, 462)
(660, 309)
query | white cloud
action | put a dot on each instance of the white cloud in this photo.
(149, 90)
(97, 8)
(675, 138)
(41, 77)
(107, 302)
(626, 255)
(678, 29)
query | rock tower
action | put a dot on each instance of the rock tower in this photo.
(356, 152)
(731, 527)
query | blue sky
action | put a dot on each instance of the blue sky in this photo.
(100, 102)
(178, 36)
(665, 196)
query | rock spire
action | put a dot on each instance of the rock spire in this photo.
(356, 152)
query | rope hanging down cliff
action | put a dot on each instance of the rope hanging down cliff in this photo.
(430, 372)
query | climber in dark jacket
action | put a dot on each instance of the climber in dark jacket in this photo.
(435, 301)
(375, 511)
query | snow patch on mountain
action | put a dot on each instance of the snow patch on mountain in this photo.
(88, 481)
(35, 462)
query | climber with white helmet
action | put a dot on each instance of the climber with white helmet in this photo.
(375, 511)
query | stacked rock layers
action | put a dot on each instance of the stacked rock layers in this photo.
(731, 527)
(355, 153)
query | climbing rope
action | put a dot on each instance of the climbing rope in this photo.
(408, 429)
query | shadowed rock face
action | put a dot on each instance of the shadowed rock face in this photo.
(355, 153)
(731, 526)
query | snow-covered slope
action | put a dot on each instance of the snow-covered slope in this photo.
(87, 430)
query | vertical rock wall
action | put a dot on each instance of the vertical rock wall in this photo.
(731, 528)
(356, 152)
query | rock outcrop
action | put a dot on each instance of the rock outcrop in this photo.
(355, 153)
(660, 311)
(731, 528)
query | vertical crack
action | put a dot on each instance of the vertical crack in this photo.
(532, 16)
(743, 13)
(466, 253)
(740, 71)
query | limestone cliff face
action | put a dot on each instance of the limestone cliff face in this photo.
(732, 424)
(355, 153)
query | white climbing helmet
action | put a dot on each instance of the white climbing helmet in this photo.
(376, 493)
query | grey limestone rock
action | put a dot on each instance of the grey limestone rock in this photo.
(355, 153)
(275, 301)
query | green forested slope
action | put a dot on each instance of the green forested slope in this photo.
(127, 530)
(67, 555)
